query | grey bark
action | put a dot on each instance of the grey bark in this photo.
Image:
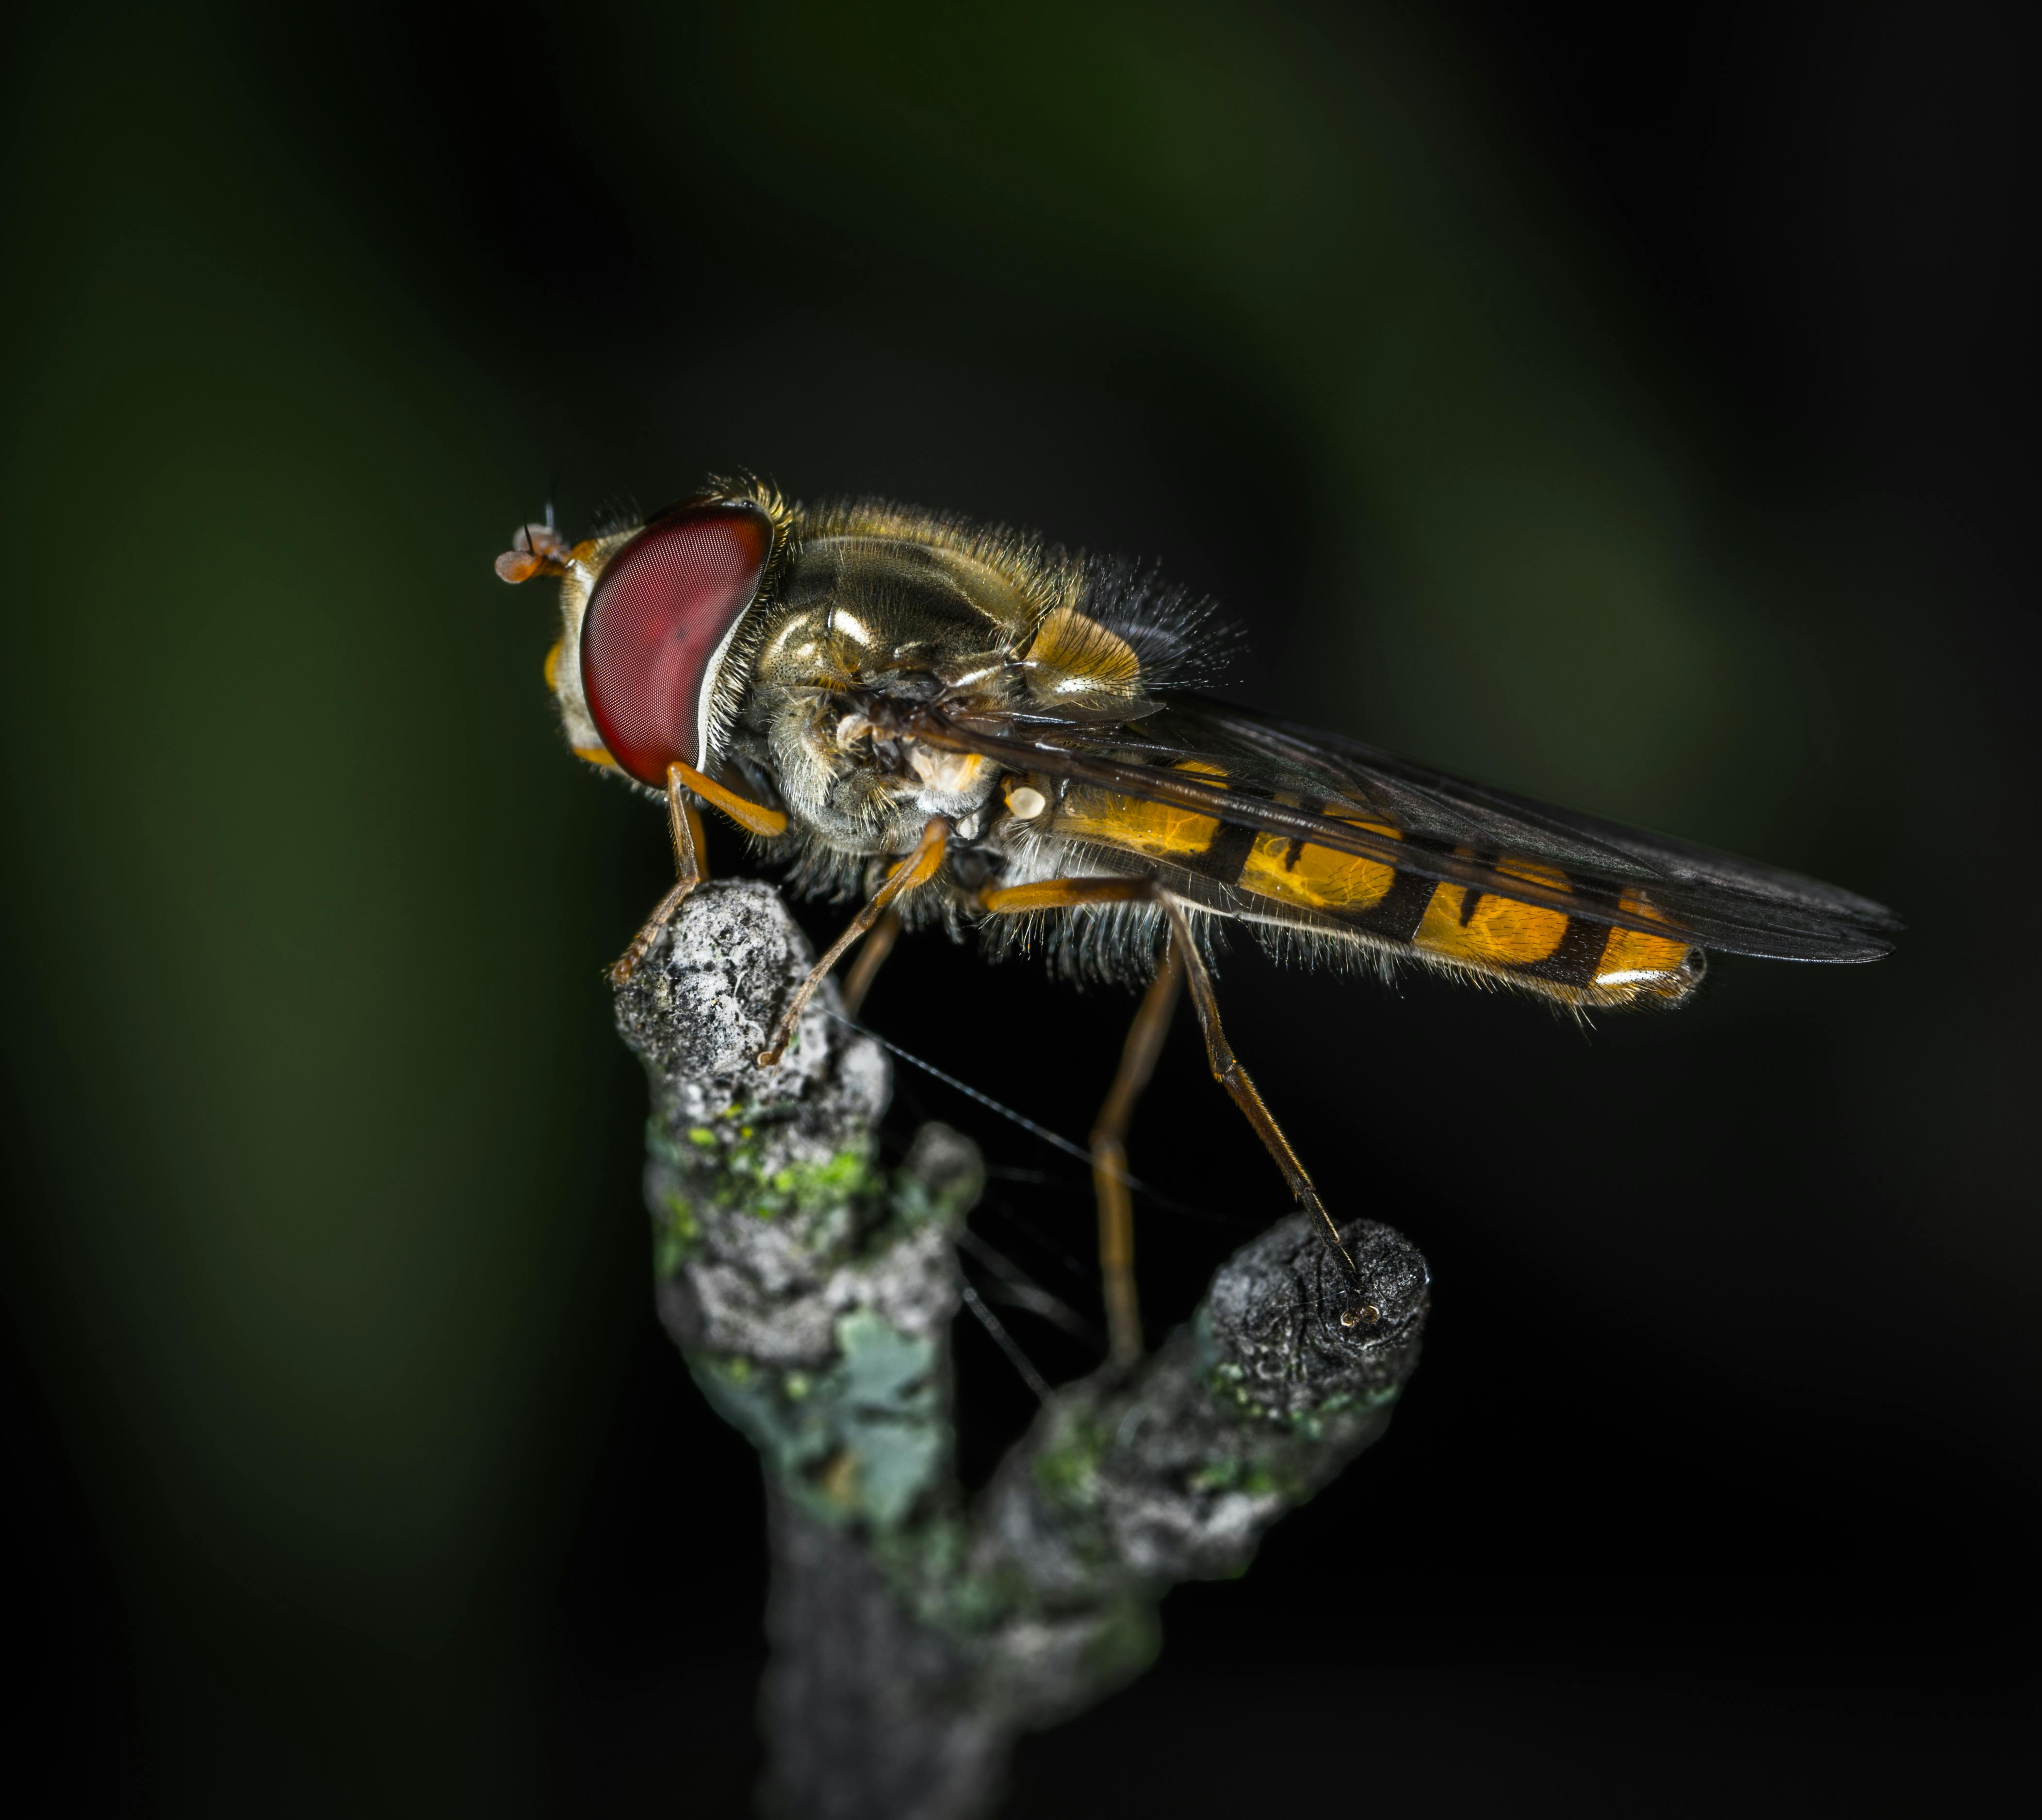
(916, 1635)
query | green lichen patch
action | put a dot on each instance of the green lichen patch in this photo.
(927, 1564)
(889, 1412)
(1229, 1472)
(811, 1187)
(1228, 1386)
(737, 1167)
(749, 1183)
(1315, 1422)
(862, 1441)
(1067, 1469)
(676, 1233)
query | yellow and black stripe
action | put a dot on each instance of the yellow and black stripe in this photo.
(1579, 959)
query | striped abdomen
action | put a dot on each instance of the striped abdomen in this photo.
(1575, 958)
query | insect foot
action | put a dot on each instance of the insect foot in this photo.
(916, 1631)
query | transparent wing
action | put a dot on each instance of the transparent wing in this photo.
(1257, 771)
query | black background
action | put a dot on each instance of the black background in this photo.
(1715, 1489)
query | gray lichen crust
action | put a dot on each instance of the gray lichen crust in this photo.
(812, 1291)
(1175, 1473)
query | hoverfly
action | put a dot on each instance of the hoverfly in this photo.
(974, 731)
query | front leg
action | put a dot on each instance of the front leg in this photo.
(685, 826)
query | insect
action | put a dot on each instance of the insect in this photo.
(971, 730)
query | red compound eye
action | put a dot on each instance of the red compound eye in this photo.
(657, 628)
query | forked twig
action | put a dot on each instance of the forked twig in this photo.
(917, 1633)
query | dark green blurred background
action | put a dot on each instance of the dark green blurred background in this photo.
(1638, 416)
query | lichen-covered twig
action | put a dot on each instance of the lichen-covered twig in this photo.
(916, 1634)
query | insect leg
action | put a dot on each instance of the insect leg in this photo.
(685, 826)
(918, 868)
(1226, 1069)
(1109, 1158)
(878, 945)
(1058, 893)
(753, 817)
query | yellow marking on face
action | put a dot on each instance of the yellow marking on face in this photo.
(595, 755)
(552, 669)
(1499, 933)
(1157, 828)
(1633, 958)
(1314, 877)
